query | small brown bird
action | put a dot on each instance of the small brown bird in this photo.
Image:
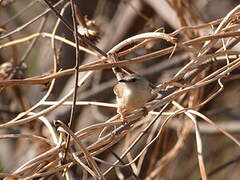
(132, 92)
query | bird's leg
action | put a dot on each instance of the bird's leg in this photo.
(122, 113)
(123, 119)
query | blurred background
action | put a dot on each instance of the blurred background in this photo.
(112, 21)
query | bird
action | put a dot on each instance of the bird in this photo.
(132, 92)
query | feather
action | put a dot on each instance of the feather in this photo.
(118, 91)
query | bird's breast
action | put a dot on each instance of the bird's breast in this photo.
(136, 98)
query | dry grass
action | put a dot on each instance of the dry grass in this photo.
(71, 131)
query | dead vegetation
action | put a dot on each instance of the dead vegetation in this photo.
(58, 111)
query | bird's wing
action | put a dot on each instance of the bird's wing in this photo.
(118, 91)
